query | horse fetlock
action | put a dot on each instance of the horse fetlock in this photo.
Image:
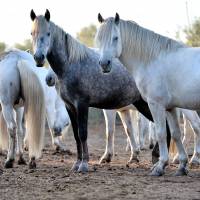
(133, 159)
(32, 163)
(106, 158)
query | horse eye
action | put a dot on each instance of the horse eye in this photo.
(31, 33)
(48, 33)
(115, 39)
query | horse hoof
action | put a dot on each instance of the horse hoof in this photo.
(151, 146)
(21, 161)
(155, 159)
(83, 168)
(75, 166)
(9, 163)
(32, 163)
(182, 172)
(175, 161)
(194, 163)
(106, 158)
(157, 172)
(133, 160)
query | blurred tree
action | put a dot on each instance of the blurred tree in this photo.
(2, 47)
(27, 44)
(87, 34)
(193, 33)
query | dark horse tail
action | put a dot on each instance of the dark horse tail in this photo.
(143, 108)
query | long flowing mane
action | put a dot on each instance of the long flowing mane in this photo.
(145, 45)
(76, 50)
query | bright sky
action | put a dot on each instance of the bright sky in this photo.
(162, 16)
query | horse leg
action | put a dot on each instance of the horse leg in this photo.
(110, 116)
(194, 121)
(19, 117)
(129, 130)
(9, 116)
(152, 137)
(143, 108)
(74, 121)
(176, 135)
(142, 126)
(155, 152)
(83, 109)
(50, 114)
(159, 116)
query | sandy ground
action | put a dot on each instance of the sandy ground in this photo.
(53, 180)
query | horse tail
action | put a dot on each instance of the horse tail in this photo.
(172, 149)
(4, 139)
(34, 107)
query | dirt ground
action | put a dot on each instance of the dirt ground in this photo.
(53, 180)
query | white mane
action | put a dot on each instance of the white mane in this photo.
(143, 44)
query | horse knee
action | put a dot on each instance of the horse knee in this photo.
(83, 136)
(161, 136)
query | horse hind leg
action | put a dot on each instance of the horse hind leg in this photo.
(9, 116)
(194, 122)
(129, 130)
(19, 117)
(176, 135)
(110, 116)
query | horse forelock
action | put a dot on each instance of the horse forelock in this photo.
(143, 44)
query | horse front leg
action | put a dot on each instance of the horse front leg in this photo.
(74, 121)
(82, 110)
(143, 108)
(155, 152)
(159, 116)
(110, 116)
(9, 116)
(129, 130)
(176, 135)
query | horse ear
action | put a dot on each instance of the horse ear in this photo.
(100, 18)
(117, 18)
(47, 15)
(32, 15)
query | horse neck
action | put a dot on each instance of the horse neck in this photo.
(57, 55)
(142, 47)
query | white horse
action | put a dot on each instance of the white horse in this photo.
(166, 73)
(56, 113)
(20, 86)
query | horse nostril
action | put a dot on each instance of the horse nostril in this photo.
(109, 62)
(42, 56)
(35, 57)
(99, 62)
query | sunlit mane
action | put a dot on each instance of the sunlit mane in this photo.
(76, 50)
(143, 44)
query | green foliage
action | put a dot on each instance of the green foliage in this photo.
(87, 34)
(2, 47)
(27, 44)
(193, 33)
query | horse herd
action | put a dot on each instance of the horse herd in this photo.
(133, 68)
